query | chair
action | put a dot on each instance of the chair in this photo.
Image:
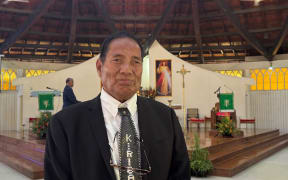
(248, 121)
(193, 117)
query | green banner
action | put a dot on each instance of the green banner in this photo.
(226, 102)
(45, 102)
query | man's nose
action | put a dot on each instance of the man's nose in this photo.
(126, 68)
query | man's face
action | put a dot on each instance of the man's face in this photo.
(71, 83)
(122, 69)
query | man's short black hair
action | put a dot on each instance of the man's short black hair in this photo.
(117, 35)
(68, 79)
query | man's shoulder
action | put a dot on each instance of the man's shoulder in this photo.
(76, 109)
(66, 88)
(152, 103)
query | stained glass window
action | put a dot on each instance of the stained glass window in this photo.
(269, 79)
(7, 76)
(238, 73)
(32, 72)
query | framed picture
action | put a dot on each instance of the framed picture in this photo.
(163, 77)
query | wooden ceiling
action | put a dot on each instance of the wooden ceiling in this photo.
(199, 31)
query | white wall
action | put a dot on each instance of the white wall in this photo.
(86, 86)
(200, 84)
(12, 64)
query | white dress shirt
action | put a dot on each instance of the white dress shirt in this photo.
(113, 121)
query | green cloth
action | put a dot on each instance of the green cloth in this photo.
(45, 101)
(226, 102)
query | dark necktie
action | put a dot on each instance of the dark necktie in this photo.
(129, 149)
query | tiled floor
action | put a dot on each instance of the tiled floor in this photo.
(273, 168)
(6, 173)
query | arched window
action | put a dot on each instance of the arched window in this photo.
(32, 72)
(7, 76)
(238, 73)
(269, 79)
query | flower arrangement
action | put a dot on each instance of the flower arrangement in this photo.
(40, 126)
(200, 165)
(226, 127)
(149, 93)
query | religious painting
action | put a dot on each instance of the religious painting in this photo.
(163, 77)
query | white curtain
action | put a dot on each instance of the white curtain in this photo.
(8, 110)
(270, 108)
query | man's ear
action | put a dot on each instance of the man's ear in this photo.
(99, 66)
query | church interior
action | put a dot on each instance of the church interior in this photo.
(221, 65)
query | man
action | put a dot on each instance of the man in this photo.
(68, 94)
(87, 141)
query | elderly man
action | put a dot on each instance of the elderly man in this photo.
(117, 135)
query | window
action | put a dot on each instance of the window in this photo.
(237, 73)
(7, 76)
(268, 79)
(32, 73)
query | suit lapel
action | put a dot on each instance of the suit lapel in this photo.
(143, 121)
(99, 130)
(144, 125)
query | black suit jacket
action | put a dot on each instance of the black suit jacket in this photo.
(69, 97)
(77, 144)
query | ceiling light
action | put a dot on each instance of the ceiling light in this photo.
(270, 67)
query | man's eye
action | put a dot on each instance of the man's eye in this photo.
(138, 61)
(116, 60)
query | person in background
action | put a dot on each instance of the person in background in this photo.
(69, 97)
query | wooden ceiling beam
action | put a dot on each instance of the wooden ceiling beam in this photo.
(195, 13)
(208, 16)
(37, 13)
(261, 9)
(241, 29)
(55, 47)
(89, 48)
(73, 26)
(280, 38)
(38, 57)
(206, 48)
(159, 25)
(215, 58)
(102, 36)
(107, 19)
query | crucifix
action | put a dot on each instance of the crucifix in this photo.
(183, 72)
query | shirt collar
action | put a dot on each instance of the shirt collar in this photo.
(108, 101)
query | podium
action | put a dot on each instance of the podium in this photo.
(45, 107)
(45, 103)
(45, 99)
(225, 108)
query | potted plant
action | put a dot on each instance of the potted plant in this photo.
(226, 127)
(200, 165)
(40, 126)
